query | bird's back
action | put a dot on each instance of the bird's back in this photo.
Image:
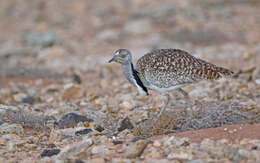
(165, 68)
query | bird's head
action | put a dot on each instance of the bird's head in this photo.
(122, 56)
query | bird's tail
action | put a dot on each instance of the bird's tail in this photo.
(224, 72)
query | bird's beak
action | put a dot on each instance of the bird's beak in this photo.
(111, 60)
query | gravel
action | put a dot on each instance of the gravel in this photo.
(60, 101)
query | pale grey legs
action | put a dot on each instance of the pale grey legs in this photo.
(168, 99)
(166, 102)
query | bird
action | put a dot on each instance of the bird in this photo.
(165, 70)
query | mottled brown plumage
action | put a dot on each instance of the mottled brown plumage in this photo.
(165, 70)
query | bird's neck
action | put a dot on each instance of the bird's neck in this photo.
(133, 77)
(128, 70)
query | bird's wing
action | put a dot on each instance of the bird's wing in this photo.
(170, 67)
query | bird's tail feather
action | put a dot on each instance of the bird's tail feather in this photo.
(224, 72)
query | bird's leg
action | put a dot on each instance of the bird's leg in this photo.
(167, 99)
(184, 93)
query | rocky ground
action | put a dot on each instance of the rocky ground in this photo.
(60, 101)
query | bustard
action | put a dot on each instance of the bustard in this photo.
(165, 70)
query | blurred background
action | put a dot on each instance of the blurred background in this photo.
(64, 34)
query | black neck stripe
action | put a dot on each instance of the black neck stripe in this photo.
(138, 80)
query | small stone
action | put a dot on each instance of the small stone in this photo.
(2, 141)
(74, 149)
(125, 124)
(257, 81)
(196, 161)
(97, 160)
(177, 142)
(68, 132)
(182, 142)
(9, 137)
(156, 143)
(51, 145)
(73, 92)
(180, 155)
(50, 152)
(121, 160)
(159, 161)
(83, 132)
(19, 97)
(71, 120)
(207, 144)
(13, 142)
(136, 149)
(128, 104)
(99, 128)
(243, 153)
(99, 149)
(115, 142)
(79, 161)
(12, 128)
(29, 100)
(46, 39)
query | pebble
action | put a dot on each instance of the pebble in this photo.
(121, 160)
(8, 137)
(19, 97)
(74, 149)
(50, 152)
(44, 40)
(157, 143)
(100, 149)
(73, 92)
(11, 128)
(71, 120)
(243, 153)
(125, 124)
(70, 132)
(128, 104)
(177, 142)
(97, 160)
(14, 144)
(179, 155)
(257, 81)
(2, 141)
(99, 128)
(159, 161)
(196, 161)
(135, 149)
(29, 100)
(83, 132)
(207, 144)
